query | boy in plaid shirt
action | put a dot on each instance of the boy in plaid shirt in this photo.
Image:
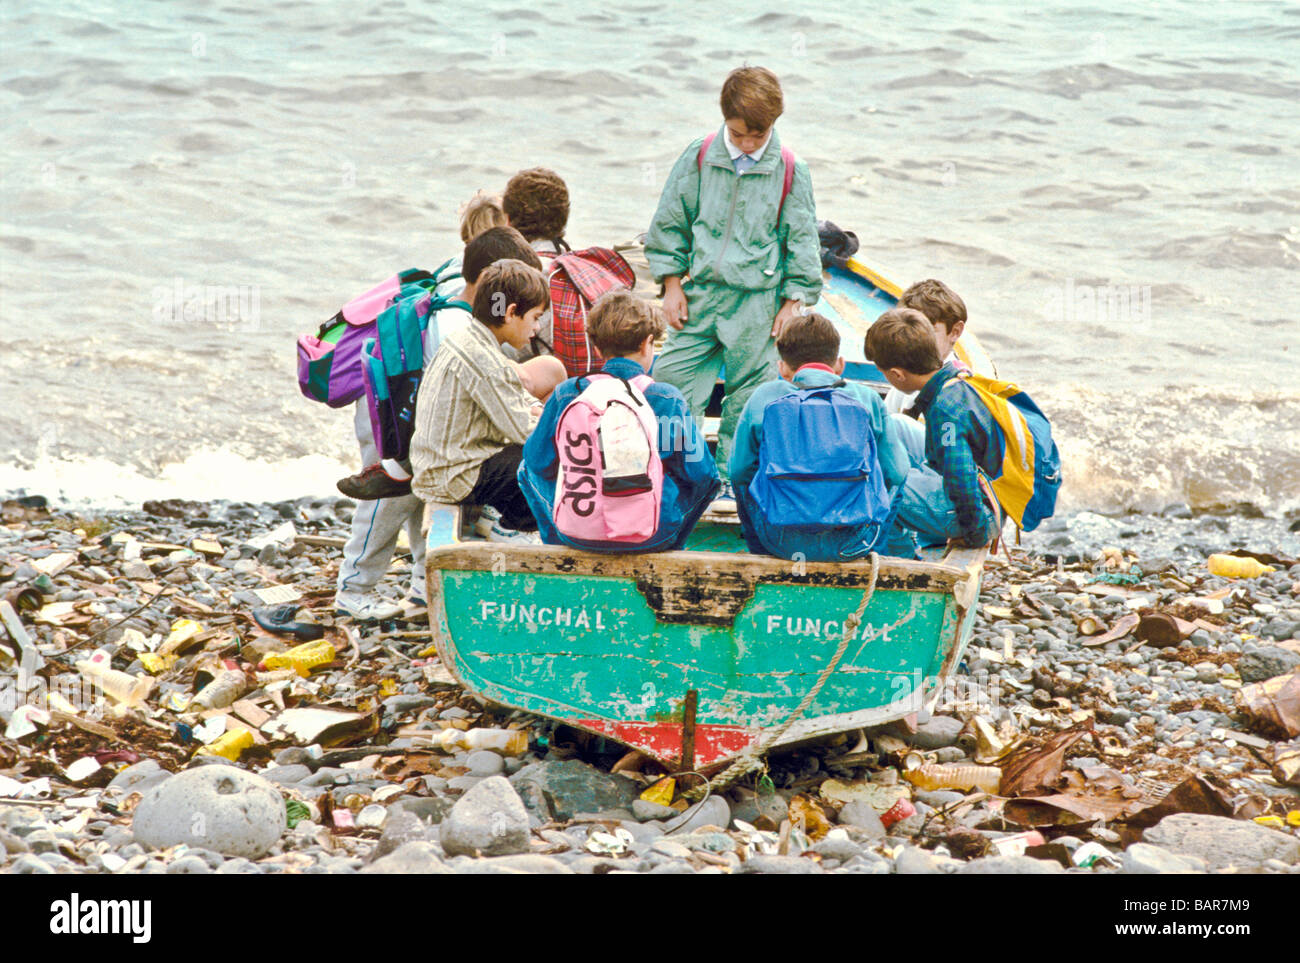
(943, 500)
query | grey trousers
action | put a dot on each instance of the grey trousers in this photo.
(375, 527)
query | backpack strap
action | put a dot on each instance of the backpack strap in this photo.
(704, 148)
(787, 159)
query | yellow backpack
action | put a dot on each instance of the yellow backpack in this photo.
(1031, 465)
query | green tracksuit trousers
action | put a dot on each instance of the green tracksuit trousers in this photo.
(727, 329)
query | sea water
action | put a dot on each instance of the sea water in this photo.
(1111, 187)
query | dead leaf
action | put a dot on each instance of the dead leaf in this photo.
(1068, 809)
(1192, 795)
(1032, 770)
(1123, 627)
(1274, 705)
(1159, 630)
(1286, 764)
(804, 809)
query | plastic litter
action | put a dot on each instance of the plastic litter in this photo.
(228, 686)
(230, 745)
(896, 813)
(661, 792)
(508, 742)
(127, 690)
(302, 658)
(1235, 566)
(961, 776)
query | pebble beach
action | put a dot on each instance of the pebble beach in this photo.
(1147, 753)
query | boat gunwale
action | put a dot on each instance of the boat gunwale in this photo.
(955, 567)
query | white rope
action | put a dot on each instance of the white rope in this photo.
(751, 759)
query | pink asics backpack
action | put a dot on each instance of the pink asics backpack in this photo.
(611, 479)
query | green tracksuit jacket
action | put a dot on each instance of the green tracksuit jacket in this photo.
(721, 229)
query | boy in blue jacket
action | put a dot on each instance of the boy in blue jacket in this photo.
(943, 500)
(809, 348)
(624, 328)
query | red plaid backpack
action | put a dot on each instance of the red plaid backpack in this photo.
(577, 280)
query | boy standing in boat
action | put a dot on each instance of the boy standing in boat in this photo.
(943, 500)
(734, 243)
(624, 328)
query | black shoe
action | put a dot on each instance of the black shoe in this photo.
(371, 483)
(280, 620)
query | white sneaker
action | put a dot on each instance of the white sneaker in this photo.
(487, 517)
(725, 501)
(365, 608)
(512, 536)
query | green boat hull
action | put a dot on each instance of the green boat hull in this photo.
(614, 644)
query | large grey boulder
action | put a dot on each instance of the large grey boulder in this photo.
(781, 865)
(222, 808)
(529, 864)
(1145, 858)
(411, 858)
(1222, 842)
(489, 820)
(566, 787)
(1266, 662)
(713, 811)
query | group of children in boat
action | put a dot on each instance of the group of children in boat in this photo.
(815, 467)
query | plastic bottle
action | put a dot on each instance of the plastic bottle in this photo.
(129, 690)
(229, 745)
(1237, 566)
(228, 686)
(961, 776)
(276, 675)
(302, 658)
(508, 742)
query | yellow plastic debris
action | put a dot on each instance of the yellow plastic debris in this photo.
(182, 631)
(1274, 822)
(155, 663)
(302, 658)
(1293, 818)
(229, 745)
(1236, 566)
(661, 792)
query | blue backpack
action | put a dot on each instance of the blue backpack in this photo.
(393, 363)
(817, 464)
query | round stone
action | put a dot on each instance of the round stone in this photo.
(484, 762)
(221, 808)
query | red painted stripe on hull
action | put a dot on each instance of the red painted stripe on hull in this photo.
(663, 740)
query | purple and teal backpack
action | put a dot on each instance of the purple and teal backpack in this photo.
(330, 361)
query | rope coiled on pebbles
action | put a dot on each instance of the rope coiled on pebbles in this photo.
(752, 759)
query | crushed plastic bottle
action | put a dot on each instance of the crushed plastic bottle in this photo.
(302, 658)
(962, 776)
(508, 742)
(125, 689)
(228, 686)
(1237, 566)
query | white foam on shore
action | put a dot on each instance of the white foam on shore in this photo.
(205, 475)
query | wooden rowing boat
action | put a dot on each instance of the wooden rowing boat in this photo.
(697, 656)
